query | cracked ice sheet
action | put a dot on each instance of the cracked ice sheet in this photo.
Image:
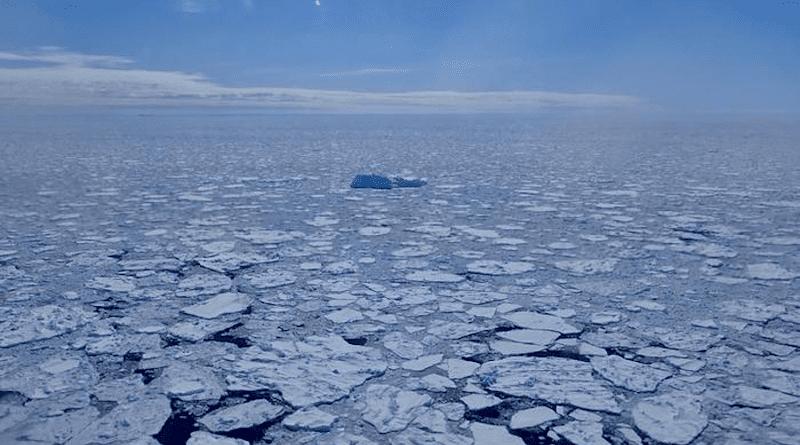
(411, 295)
(269, 279)
(415, 251)
(320, 369)
(536, 321)
(40, 323)
(55, 374)
(485, 434)
(770, 271)
(158, 264)
(44, 429)
(203, 284)
(310, 418)
(474, 297)
(492, 267)
(244, 415)
(416, 436)
(260, 236)
(455, 330)
(113, 284)
(583, 433)
(431, 229)
(321, 221)
(629, 374)
(389, 408)
(226, 303)
(480, 233)
(197, 330)
(554, 379)
(403, 346)
(129, 421)
(231, 261)
(752, 310)
(374, 230)
(673, 418)
(189, 382)
(588, 267)
(434, 276)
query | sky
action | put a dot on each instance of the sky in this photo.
(679, 55)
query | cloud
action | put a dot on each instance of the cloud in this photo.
(458, 64)
(248, 4)
(197, 6)
(368, 71)
(54, 54)
(97, 80)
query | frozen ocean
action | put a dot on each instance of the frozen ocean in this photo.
(561, 277)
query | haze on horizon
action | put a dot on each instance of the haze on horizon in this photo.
(403, 55)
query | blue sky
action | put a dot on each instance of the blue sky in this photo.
(677, 55)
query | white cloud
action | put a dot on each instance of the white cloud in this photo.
(53, 54)
(248, 4)
(197, 6)
(77, 80)
(368, 71)
(458, 64)
(192, 7)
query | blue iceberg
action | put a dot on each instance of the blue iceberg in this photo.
(382, 182)
(371, 182)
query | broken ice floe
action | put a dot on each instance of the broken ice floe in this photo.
(536, 321)
(392, 409)
(269, 279)
(232, 261)
(629, 374)
(261, 236)
(587, 267)
(114, 284)
(43, 322)
(492, 267)
(374, 231)
(557, 380)
(321, 369)
(674, 418)
(434, 276)
(244, 415)
(203, 284)
(770, 271)
(225, 303)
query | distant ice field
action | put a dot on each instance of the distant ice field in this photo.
(553, 186)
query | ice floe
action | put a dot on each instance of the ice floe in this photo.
(674, 418)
